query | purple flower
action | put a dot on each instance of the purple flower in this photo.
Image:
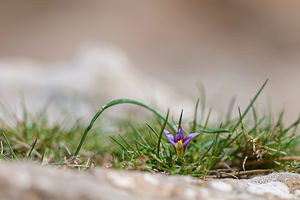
(179, 143)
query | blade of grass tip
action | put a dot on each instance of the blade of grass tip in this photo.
(25, 117)
(32, 147)
(151, 138)
(161, 132)
(279, 121)
(250, 105)
(202, 99)
(113, 103)
(295, 129)
(138, 133)
(227, 154)
(141, 144)
(119, 143)
(195, 117)
(180, 119)
(292, 125)
(153, 130)
(241, 120)
(9, 146)
(137, 149)
(257, 124)
(43, 154)
(270, 115)
(207, 118)
(131, 147)
(254, 115)
(230, 109)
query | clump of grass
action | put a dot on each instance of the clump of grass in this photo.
(38, 139)
(245, 145)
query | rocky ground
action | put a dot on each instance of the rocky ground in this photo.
(32, 181)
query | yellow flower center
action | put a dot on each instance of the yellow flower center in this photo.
(179, 149)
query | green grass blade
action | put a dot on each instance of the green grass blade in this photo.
(207, 118)
(131, 147)
(180, 119)
(9, 146)
(202, 99)
(279, 121)
(161, 132)
(138, 133)
(240, 117)
(213, 143)
(153, 130)
(215, 131)
(229, 111)
(43, 153)
(254, 114)
(292, 125)
(119, 143)
(250, 105)
(151, 138)
(195, 117)
(113, 103)
(257, 124)
(141, 144)
(32, 147)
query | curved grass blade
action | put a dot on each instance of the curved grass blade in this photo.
(113, 103)
(215, 131)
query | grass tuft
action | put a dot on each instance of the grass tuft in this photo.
(247, 145)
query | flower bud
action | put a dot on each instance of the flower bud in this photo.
(179, 149)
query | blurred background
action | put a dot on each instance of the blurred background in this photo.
(53, 49)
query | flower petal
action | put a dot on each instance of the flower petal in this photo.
(179, 135)
(188, 139)
(170, 137)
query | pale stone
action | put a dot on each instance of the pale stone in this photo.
(276, 188)
(121, 181)
(222, 186)
(29, 181)
(150, 179)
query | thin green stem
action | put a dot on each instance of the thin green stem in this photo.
(160, 134)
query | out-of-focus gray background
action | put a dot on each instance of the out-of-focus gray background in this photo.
(229, 46)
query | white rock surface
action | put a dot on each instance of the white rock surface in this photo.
(30, 181)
